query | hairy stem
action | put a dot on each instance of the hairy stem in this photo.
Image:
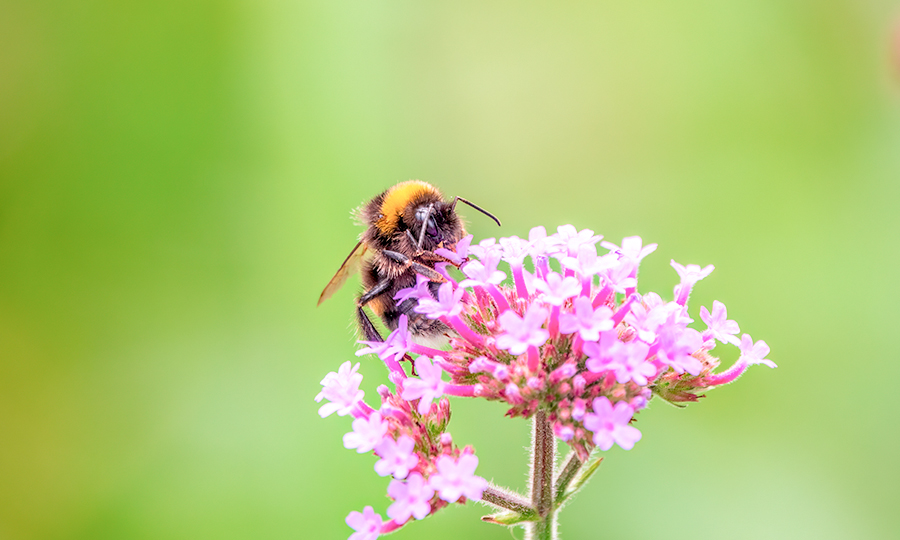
(543, 456)
(570, 467)
(508, 500)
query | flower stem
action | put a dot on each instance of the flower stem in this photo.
(570, 467)
(543, 456)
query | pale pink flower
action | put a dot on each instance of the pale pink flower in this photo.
(366, 524)
(455, 479)
(429, 386)
(631, 248)
(341, 389)
(718, 324)
(397, 457)
(446, 305)
(412, 498)
(556, 289)
(586, 320)
(610, 425)
(755, 353)
(520, 333)
(366, 434)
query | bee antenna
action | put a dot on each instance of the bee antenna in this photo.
(476, 207)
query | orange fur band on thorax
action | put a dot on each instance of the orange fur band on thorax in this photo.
(396, 199)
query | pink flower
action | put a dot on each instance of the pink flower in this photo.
(631, 248)
(569, 240)
(586, 320)
(367, 432)
(496, 369)
(677, 345)
(341, 389)
(413, 498)
(483, 273)
(457, 478)
(460, 252)
(429, 386)
(611, 425)
(621, 276)
(557, 289)
(587, 263)
(397, 457)
(631, 363)
(366, 524)
(755, 353)
(603, 353)
(538, 242)
(485, 248)
(446, 305)
(520, 333)
(421, 290)
(718, 325)
(514, 249)
(692, 273)
(394, 347)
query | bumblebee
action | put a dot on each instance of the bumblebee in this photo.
(404, 225)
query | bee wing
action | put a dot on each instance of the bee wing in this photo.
(350, 266)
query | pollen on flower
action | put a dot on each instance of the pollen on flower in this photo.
(582, 346)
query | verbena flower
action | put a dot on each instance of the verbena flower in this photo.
(610, 424)
(341, 389)
(581, 346)
(366, 524)
(428, 387)
(397, 457)
(412, 498)
(456, 478)
(366, 434)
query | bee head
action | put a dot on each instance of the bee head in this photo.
(436, 220)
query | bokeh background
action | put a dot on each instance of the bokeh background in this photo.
(175, 185)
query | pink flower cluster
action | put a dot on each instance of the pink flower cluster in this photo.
(571, 336)
(408, 434)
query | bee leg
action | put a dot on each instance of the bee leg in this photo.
(414, 242)
(376, 289)
(364, 322)
(367, 327)
(424, 226)
(420, 268)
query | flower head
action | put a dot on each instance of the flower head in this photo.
(580, 353)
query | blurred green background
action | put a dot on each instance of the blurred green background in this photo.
(175, 184)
